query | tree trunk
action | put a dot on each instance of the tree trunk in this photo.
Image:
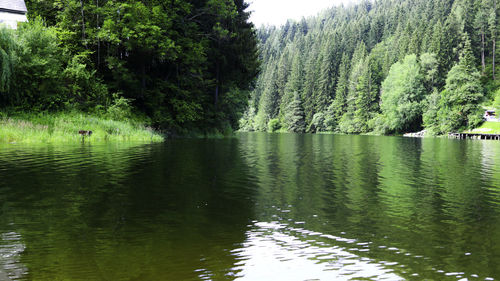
(494, 51)
(143, 77)
(83, 22)
(98, 39)
(494, 38)
(482, 52)
(217, 77)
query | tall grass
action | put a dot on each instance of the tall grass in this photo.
(64, 127)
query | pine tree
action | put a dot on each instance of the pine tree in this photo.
(463, 93)
(293, 85)
(339, 104)
(366, 100)
(326, 82)
(492, 22)
(358, 87)
(295, 116)
(481, 24)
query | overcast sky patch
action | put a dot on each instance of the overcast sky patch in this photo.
(276, 12)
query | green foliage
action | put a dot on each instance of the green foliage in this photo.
(339, 104)
(431, 108)
(361, 100)
(338, 61)
(83, 85)
(8, 48)
(496, 101)
(121, 108)
(295, 116)
(318, 123)
(402, 92)
(429, 68)
(167, 58)
(274, 125)
(63, 127)
(40, 75)
(459, 107)
(38, 79)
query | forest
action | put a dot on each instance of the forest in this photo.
(384, 66)
(181, 65)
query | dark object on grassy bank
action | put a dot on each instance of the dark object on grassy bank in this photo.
(85, 133)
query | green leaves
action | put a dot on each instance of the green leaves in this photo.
(164, 56)
(459, 106)
(402, 92)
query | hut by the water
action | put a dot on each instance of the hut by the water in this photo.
(491, 116)
(12, 12)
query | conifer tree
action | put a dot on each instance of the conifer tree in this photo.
(339, 104)
(463, 92)
(493, 26)
(295, 116)
(481, 25)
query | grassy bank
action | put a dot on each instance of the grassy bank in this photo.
(487, 128)
(64, 127)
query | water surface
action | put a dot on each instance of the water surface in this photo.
(255, 207)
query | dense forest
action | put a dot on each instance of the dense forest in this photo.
(385, 66)
(183, 65)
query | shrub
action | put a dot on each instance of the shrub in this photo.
(274, 125)
(120, 109)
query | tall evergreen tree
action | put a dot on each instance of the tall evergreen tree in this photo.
(463, 93)
(339, 105)
(481, 24)
(493, 26)
(295, 116)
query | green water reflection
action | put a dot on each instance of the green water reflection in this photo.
(255, 207)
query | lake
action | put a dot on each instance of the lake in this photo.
(254, 207)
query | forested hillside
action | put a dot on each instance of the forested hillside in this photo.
(183, 64)
(387, 66)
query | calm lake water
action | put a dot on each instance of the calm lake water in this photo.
(255, 207)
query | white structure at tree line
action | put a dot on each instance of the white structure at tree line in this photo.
(12, 12)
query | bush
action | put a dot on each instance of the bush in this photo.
(496, 102)
(274, 125)
(317, 123)
(83, 86)
(120, 109)
(38, 81)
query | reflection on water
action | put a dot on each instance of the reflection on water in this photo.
(11, 249)
(255, 207)
(279, 252)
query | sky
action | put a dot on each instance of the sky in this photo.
(276, 12)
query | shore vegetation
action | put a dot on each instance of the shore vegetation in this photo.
(185, 66)
(64, 127)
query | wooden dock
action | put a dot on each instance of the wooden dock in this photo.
(474, 136)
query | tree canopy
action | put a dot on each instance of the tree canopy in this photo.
(377, 66)
(185, 64)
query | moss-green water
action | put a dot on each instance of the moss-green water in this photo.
(64, 127)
